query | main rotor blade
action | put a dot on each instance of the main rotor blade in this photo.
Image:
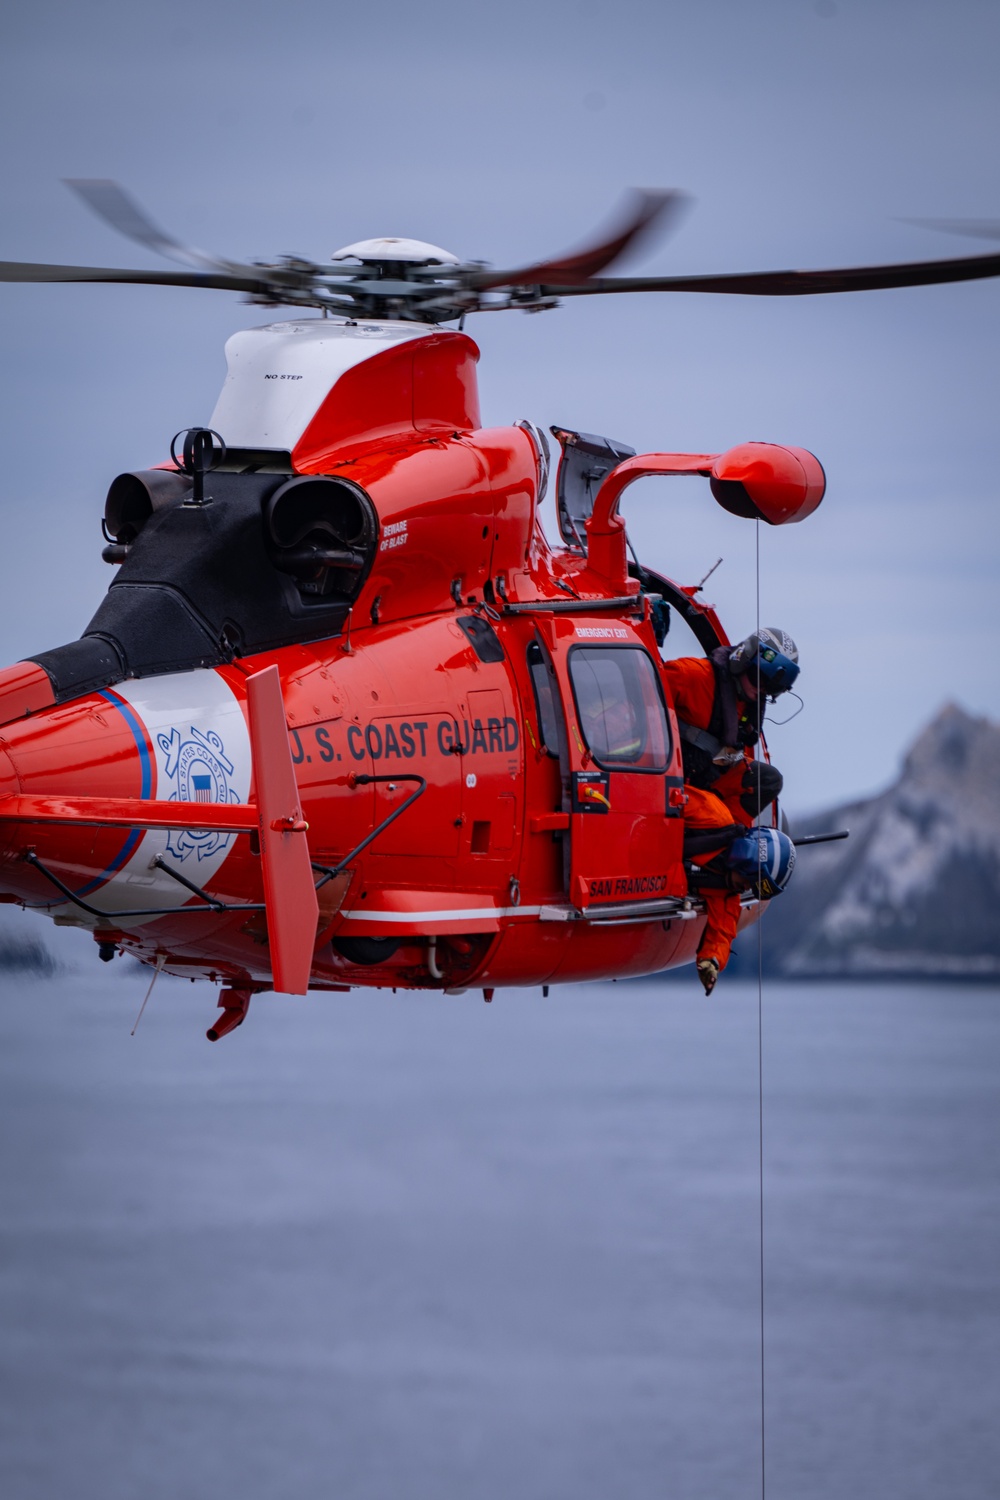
(977, 229)
(26, 270)
(793, 283)
(642, 211)
(112, 204)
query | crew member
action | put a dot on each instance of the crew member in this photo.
(709, 830)
(719, 701)
(760, 861)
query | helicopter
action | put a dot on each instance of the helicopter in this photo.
(345, 716)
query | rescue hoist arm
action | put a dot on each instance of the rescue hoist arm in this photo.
(761, 481)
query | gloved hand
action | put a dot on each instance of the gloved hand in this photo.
(708, 973)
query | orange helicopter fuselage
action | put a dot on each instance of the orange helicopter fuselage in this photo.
(537, 844)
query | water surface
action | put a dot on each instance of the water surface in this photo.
(417, 1246)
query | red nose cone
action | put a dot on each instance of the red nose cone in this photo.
(763, 480)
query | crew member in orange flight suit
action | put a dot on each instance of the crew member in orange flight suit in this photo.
(706, 812)
(719, 712)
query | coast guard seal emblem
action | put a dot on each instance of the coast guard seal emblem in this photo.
(200, 771)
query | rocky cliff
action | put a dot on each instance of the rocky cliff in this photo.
(915, 890)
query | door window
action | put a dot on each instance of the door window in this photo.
(620, 707)
(544, 683)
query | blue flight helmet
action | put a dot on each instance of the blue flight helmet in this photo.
(762, 861)
(769, 654)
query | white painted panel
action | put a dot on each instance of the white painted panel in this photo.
(200, 752)
(280, 375)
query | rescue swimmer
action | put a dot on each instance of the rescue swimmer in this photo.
(720, 702)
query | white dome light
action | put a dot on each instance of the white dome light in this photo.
(417, 252)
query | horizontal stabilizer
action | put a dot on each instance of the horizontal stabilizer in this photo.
(131, 812)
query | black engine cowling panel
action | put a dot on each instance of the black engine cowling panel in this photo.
(203, 583)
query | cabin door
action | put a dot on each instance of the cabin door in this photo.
(616, 758)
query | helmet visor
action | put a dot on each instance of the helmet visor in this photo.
(777, 671)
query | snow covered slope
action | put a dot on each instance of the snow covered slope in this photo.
(916, 888)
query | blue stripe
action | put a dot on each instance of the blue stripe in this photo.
(146, 790)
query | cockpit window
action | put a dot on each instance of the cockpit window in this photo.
(620, 706)
(544, 685)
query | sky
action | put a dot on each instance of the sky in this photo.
(806, 132)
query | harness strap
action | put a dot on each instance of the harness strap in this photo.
(704, 840)
(725, 709)
(721, 755)
(700, 738)
(710, 751)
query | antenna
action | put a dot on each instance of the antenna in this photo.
(699, 586)
(156, 974)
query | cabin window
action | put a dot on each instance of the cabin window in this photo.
(620, 706)
(544, 685)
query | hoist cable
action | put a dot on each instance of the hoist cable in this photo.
(760, 1050)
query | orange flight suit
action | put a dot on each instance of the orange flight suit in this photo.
(692, 686)
(722, 908)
